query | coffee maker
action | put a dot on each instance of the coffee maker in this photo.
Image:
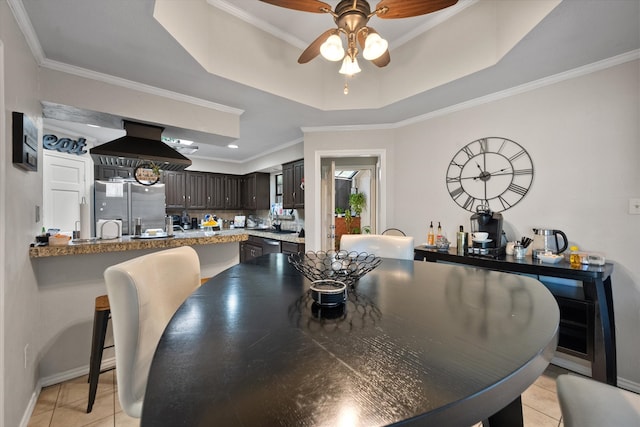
(484, 220)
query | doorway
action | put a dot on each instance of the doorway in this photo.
(340, 177)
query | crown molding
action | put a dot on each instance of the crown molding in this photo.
(567, 75)
(24, 23)
(140, 87)
(229, 8)
(437, 19)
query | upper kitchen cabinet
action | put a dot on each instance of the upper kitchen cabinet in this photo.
(232, 192)
(174, 189)
(293, 185)
(196, 190)
(104, 173)
(185, 190)
(255, 191)
(215, 191)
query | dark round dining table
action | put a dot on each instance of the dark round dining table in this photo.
(416, 343)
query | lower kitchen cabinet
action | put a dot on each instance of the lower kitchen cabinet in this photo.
(250, 249)
(257, 246)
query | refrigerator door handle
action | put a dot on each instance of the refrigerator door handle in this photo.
(129, 209)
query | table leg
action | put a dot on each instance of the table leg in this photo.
(509, 416)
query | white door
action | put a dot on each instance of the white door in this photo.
(65, 184)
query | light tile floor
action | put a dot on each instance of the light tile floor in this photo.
(65, 405)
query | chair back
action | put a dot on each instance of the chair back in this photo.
(144, 293)
(400, 247)
(393, 232)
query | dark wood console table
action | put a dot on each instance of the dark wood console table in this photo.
(587, 325)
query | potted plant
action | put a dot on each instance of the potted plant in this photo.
(339, 212)
(358, 202)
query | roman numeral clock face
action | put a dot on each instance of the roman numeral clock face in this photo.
(493, 172)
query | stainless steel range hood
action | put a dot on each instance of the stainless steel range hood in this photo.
(142, 144)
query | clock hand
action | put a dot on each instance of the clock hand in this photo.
(496, 173)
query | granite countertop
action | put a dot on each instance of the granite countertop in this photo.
(188, 238)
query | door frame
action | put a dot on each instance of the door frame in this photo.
(381, 187)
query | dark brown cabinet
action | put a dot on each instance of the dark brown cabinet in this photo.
(195, 190)
(293, 185)
(215, 191)
(255, 191)
(256, 246)
(185, 190)
(203, 190)
(174, 189)
(250, 249)
(232, 187)
(108, 172)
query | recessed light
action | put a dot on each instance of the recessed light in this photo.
(232, 146)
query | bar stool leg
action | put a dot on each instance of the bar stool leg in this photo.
(101, 318)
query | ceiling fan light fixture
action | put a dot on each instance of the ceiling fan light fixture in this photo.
(350, 66)
(332, 49)
(374, 47)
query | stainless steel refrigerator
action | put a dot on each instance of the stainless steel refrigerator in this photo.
(127, 200)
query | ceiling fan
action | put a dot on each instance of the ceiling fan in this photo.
(351, 18)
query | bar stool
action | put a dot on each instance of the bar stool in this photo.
(100, 320)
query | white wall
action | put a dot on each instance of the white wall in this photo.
(23, 191)
(583, 136)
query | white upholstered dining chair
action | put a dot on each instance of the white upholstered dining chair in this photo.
(400, 247)
(588, 403)
(144, 293)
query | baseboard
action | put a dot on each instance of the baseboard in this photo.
(629, 385)
(573, 364)
(578, 366)
(61, 377)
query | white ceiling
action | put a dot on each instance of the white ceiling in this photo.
(122, 39)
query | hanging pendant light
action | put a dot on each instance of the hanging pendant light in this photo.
(350, 66)
(332, 49)
(374, 46)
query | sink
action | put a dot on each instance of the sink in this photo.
(281, 231)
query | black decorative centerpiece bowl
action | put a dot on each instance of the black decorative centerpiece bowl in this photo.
(345, 267)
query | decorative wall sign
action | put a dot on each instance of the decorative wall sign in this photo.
(494, 172)
(147, 174)
(25, 142)
(64, 145)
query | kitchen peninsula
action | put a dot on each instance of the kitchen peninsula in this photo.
(127, 243)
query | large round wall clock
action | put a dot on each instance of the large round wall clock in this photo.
(494, 172)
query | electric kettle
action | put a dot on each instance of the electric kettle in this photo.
(546, 240)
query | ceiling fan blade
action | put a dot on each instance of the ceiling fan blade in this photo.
(381, 61)
(313, 49)
(303, 5)
(408, 8)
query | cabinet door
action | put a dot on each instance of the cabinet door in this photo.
(298, 184)
(255, 191)
(249, 191)
(249, 251)
(107, 172)
(232, 192)
(287, 186)
(174, 188)
(215, 191)
(196, 190)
